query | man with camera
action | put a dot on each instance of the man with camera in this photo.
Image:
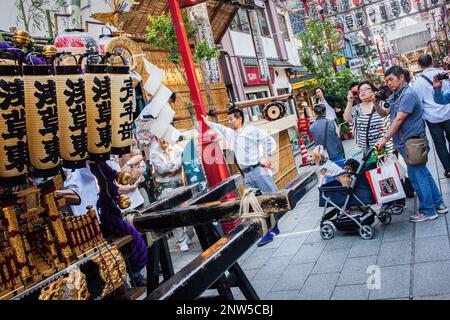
(436, 115)
(407, 131)
(441, 91)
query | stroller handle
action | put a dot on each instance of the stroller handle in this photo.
(368, 155)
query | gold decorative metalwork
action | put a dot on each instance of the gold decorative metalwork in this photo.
(112, 269)
(124, 201)
(72, 287)
(123, 178)
(21, 38)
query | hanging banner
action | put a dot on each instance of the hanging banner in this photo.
(361, 20)
(198, 15)
(259, 46)
(406, 6)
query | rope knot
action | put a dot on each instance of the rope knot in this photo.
(250, 202)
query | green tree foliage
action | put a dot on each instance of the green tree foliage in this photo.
(161, 34)
(320, 48)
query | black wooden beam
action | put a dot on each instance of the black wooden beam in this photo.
(191, 281)
(217, 192)
(272, 203)
(173, 200)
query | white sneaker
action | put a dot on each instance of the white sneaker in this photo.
(184, 245)
(442, 209)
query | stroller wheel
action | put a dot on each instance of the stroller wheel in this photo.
(386, 218)
(327, 232)
(366, 232)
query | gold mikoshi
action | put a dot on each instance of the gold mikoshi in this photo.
(49, 51)
(21, 37)
(13, 134)
(121, 109)
(98, 111)
(41, 119)
(70, 89)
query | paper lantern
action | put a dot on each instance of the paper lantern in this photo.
(406, 6)
(361, 20)
(121, 109)
(383, 12)
(41, 119)
(13, 135)
(372, 15)
(395, 8)
(70, 92)
(98, 111)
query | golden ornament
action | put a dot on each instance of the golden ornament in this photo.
(124, 201)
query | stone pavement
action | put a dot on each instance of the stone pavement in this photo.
(407, 261)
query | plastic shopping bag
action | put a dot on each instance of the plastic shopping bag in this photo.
(386, 183)
(392, 158)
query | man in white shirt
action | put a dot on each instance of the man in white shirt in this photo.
(167, 163)
(437, 116)
(246, 142)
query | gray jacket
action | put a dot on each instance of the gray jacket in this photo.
(334, 145)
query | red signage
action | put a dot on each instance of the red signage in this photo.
(253, 78)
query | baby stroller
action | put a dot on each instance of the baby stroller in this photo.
(345, 201)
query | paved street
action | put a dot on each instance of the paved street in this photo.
(412, 260)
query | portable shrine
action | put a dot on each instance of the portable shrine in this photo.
(98, 111)
(13, 135)
(121, 109)
(71, 116)
(41, 119)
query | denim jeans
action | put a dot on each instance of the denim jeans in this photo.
(440, 131)
(425, 186)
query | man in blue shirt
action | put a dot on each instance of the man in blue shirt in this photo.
(406, 115)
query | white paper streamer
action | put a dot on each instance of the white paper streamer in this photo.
(157, 115)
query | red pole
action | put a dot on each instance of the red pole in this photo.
(213, 160)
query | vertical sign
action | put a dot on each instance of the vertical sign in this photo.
(259, 46)
(199, 17)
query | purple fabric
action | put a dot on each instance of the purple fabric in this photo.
(112, 223)
(19, 55)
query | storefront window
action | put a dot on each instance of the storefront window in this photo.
(283, 27)
(240, 22)
(265, 30)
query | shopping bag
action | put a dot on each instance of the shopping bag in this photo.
(385, 183)
(392, 158)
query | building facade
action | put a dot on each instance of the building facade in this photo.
(239, 63)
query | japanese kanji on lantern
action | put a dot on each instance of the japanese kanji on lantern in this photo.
(71, 116)
(41, 119)
(13, 135)
(121, 109)
(98, 111)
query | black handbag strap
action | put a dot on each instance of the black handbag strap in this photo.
(427, 79)
(368, 127)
